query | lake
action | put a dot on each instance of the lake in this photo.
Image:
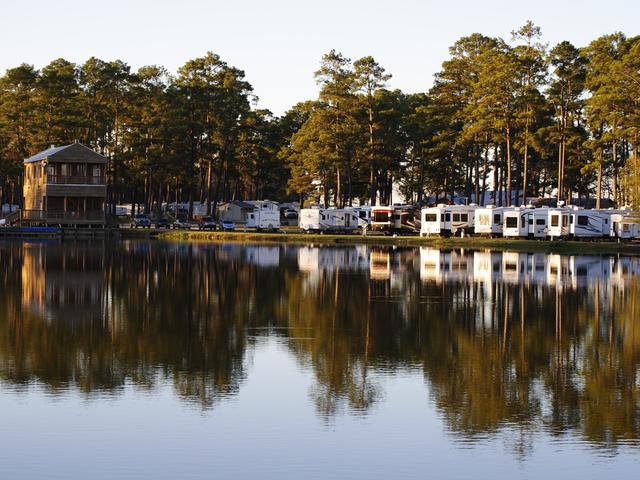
(140, 359)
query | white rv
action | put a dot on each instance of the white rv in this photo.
(488, 220)
(516, 223)
(590, 223)
(328, 220)
(447, 220)
(314, 220)
(538, 219)
(364, 215)
(624, 225)
(264, 216)
(559, 222)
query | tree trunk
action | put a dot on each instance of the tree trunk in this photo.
(508, 167)
(599, 189)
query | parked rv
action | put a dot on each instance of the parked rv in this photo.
(381, 219)
(559, 223)
(516, 223)
(590, 223)
(448, 220)
(264, 216)
(488, 220)
(538, 219)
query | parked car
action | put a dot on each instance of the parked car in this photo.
(181, 224)
(141, 220)
(290, 214)
(163, 223)
(207, 223)
(227, 225)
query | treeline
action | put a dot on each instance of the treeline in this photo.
(513, 118)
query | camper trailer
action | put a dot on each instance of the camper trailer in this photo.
(447, 220)
(364, 215)
(395, 219)
(488, 221)
(590, 223)
(516, 223)
(314, 220)
(559, 223)
(538, 219)
(264, 216)
(323, 220)
(350, 220)
(624, 225)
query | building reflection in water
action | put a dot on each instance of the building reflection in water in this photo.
(533, 341)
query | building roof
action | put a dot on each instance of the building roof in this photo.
(238, 203)
(72, 152)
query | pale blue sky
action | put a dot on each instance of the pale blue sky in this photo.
(279, 43)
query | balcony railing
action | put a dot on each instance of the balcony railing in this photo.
(75, 180)
(63, 217)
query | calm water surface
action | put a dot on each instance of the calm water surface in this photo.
(167, 360)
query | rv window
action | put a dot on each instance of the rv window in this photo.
(430, 217)
(483, 219)
(322, 216)
(447, 217)
(541, 221)
(555, 220)
(531, 221)
(496, 219)
(625, 227)
(381, 216)
(396, 216)
(363, 214)
(583, 220)
(565, 220)
(512, 222)
(464, 217)
(251, 215)
(571, 220)
(456, 217)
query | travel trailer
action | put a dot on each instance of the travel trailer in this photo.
(363, 213)
(264, 216)
(516, 223)
(538, 219)
(488, 221)
(398, 219)
(314, 220)
(590, 223)
(447, 220)
(624, 225)
(323, 220)
(559, 223)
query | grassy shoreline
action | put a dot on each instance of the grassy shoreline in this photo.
(533, 246)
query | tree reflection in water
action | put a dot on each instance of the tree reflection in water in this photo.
(525, 342)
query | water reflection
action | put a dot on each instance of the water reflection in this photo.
(505, 341)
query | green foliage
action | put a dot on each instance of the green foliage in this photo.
(512, 119)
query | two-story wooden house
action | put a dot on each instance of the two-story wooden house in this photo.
(65, 186)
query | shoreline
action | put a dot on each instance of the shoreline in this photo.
(501, 244)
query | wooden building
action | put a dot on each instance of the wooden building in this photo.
(65, 186)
